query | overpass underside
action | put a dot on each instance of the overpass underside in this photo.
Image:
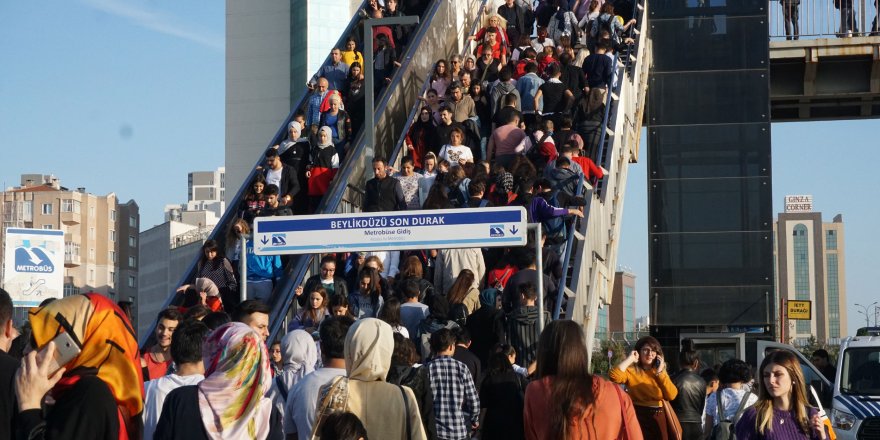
(825, 79)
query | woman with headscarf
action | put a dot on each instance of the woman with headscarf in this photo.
(339, 123)
(231, 402)
(299, 355)
(99, 393)
(389, 412)
(324, 165)
(422, 136)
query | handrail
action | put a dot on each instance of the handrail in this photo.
(413, 114)
(333, 198)
(820, 19)
(622, 76)
(569, 242)
(232, 207)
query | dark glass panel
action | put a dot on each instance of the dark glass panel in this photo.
(711, 259)
(711, 205)
(731, 39)
(752, 305)
(688, 151)
(686, 8)
(688, 98)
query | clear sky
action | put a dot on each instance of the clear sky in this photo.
(127, 96)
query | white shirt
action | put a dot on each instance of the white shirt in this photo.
(730, 399)
(390, 260)
(274, 178)
(299, 416)
(155, 392)
(454, 154)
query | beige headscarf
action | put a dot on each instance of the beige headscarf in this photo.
(378, 404)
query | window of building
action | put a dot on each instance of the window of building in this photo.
(92, 211)
(71, 249)
(602, 324)
(48, 226)
(801, 255)
(91, 275)
(70, 290)
(833, 302)
(132, 261)
(629, 309)
(26, 210)
(112, 278)
(830, 240)
(70, 205)
(113, 256)
(47, 208)
(132, 241)
(132, 281)
(132, 222)
(113, 215)
(113, 236)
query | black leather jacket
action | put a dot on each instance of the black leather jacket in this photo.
(691, 399)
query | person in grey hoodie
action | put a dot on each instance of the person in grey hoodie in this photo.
(522, 325)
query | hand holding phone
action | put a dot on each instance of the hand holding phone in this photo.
(33, 381)
(59, 352)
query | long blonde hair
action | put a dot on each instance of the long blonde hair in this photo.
(798, 399)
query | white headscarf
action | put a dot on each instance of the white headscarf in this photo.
(299, 354)
(326, 129)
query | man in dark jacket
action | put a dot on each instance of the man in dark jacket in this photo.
(383, 193)
(691, 399)
(282, 176)
(522, 325)
(8, 366)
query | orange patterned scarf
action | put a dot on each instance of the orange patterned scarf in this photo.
(109, 351)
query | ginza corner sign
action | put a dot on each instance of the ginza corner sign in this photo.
(442, 228)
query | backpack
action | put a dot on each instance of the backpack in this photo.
(458, 313)
(725, 429)
(556, 227)
(606, 25)
(534, 153)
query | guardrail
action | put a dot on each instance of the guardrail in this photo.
(812, 19)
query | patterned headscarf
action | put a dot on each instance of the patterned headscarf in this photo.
(109, 351)
(232, 398)
(504, 183)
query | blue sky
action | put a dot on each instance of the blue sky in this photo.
(128, 96)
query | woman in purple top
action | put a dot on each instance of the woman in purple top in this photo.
(782, 411)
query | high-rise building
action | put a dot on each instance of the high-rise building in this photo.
(100, 233)
(810, 266)
(166, 251)
(273, 47)
(205, 204)
(619, 317)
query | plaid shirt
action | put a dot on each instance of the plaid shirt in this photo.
(456, 404)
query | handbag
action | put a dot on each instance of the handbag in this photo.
(672, 423)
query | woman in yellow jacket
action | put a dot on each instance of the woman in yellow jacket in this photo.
(645, 376)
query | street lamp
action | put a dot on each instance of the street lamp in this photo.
(864, 311)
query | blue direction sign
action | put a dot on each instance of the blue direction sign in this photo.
(443, 228)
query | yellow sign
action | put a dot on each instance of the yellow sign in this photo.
(800, 309)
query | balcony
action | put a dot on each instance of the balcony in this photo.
(71, 260)
(70, 218)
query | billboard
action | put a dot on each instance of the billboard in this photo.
(33, 269)
(795, 204)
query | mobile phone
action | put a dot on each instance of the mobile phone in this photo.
(65, 350)
(657, 362)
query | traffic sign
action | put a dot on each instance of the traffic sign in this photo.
(399, 230)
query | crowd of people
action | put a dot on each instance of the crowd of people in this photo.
(79, 375)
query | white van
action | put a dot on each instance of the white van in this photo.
(855, 412)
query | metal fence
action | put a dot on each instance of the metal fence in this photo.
(811, 19)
